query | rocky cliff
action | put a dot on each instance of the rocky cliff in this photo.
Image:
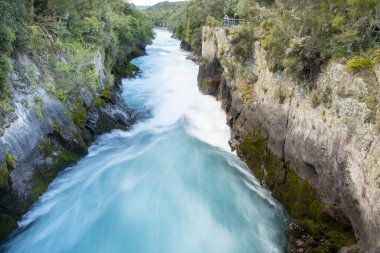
(42, 132)
(315, 144)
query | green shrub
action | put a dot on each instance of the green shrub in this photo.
(10, 160)
(61, 95)
(98, 102)
(299, 36)
(6, 106)
(243, 43)
(359, 63)
(13, 34)
(213, 22)
(275, 43)
(106, 94)
(4, 176)
(80, 115)
(5, 67)
(25, 103)
(303, 58)
(71, 76)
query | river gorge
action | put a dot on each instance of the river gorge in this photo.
(169, 184)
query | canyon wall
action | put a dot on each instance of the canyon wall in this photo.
(41, 134)
(327, 131)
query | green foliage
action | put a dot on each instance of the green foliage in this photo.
(71, 77)
(6, 106)
(314, 32)
(69, 41)
(275, 43)
(241, 48)
(98, 102)
(299, 36)
(13, 34)
(189, 29)
(5, 67)
(165, 14)
(8, 224)
(359, 63)
(4, 176)
(46, 174)
(61, 95)
(79, 29)
(213, 22)
(10, 160)
(106, 94)
(79, 115)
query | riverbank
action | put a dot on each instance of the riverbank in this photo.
(169, 184)
(307, 145)
(61, 93)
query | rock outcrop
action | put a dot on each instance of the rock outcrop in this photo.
(326, 130)
(42, 134)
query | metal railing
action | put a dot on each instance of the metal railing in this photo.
(233, 23)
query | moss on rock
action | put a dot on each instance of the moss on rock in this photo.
(98, 102)
(4, 177)
(10, 160)
(8, 223)
(320, 231)
(80, 115)
(125, 70)
(45, 175)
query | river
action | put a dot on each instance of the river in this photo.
(168, 185)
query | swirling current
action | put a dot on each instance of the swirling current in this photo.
(168, 185)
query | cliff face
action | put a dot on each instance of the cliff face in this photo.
(327, 131)
(42, 134)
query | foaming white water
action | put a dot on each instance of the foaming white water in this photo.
(174, 95)
(168, 185)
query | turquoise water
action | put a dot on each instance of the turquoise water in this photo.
(168, 185)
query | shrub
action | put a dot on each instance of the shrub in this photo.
(61, 95)
(243, 43)
(275, 43)
(303, 58)
(10, 160)
(213, 22)
(5, 67)
(6, 106)
(106, 94)
(98, 102)
(13, 34)
(80, 115)
(4, 176)
(359, 63)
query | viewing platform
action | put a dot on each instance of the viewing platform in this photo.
(233, 23)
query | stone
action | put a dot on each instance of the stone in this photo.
(330, 134)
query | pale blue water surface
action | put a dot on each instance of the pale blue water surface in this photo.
(169, 185)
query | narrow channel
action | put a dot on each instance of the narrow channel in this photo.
(170, 184)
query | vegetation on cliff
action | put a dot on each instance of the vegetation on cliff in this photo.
(318, 231)
(166, 14)
(299, 36)
(76, 51)
(189, 29)
(75, 29)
